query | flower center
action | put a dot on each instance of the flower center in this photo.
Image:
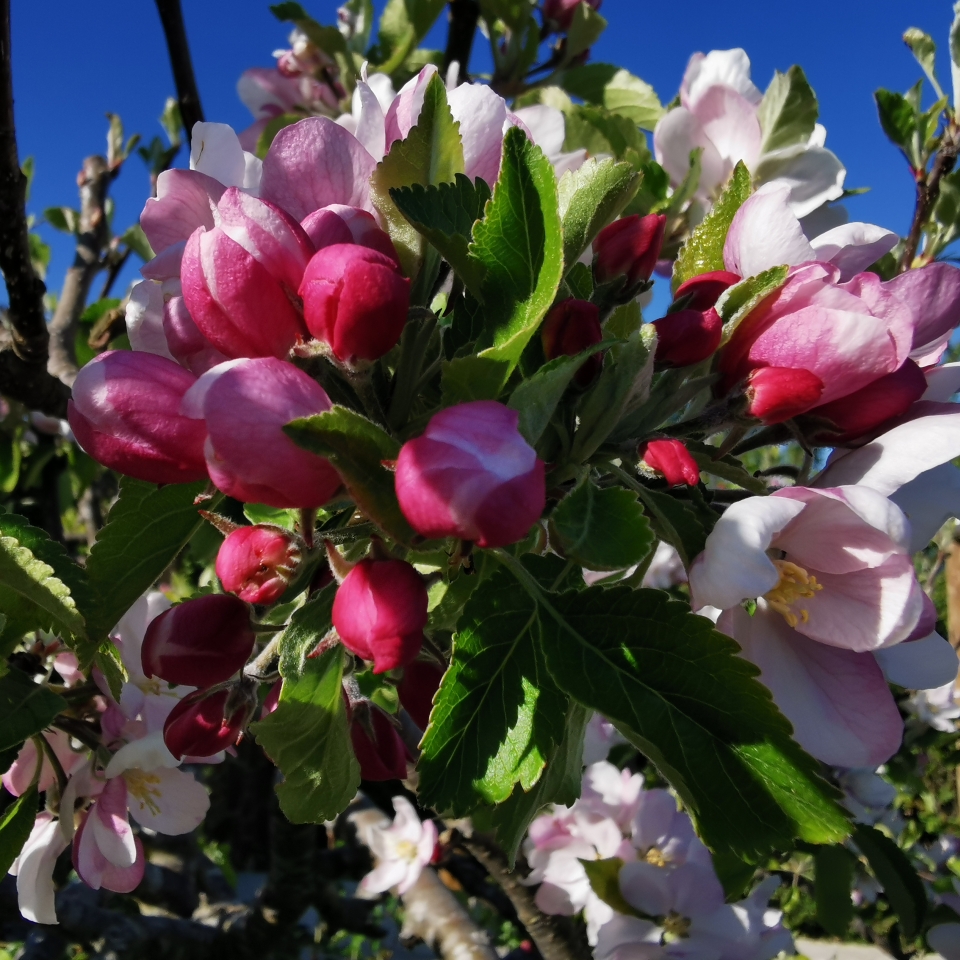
(406, 850)
(143, 787)
(655, 856)
(675, 927)
(795, 586)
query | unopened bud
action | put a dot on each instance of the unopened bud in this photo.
(629, 248)
(687, 337)
(775, 394)
(704, 290)
(671, 460)
(558, 14)
(200, 642)
(256, 563)
(203, 724)
(571, 327)
(421, 680)
(377, 745)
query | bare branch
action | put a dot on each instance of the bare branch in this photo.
(29, 383)
(94, 181)
(464, 15)
(171, 16)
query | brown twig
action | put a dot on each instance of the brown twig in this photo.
(464, 15)
(928, 190)
(94, 181)
(171, 16)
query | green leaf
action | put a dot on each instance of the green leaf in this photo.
(737, 302)
(64, 219)
(308, 626)
(734, 874)
(728, 468)
(619, 91)
(357, 447)
(955, 57)
(703, 250)
(676, 523)
(473, 378)
(899, 119)
(145, 530)
(137, 241)
(537, 398)
(514, 13)
(584, 30)
(39, 584)
(261, 513)
(688, 187)
(520, 244)
(677, 690)
(604, 877)
(788, 111)
(308, 738)
(560, 783)
(897, 876)
(590, 198)
(15, 827)
(601, 529)
(403, 24)
(108, 660)
(430, 154)
(497, 715)
(362, 25)
(832, 882)
(925, 50)
(598, 131)
(25, 708)
(445, 215)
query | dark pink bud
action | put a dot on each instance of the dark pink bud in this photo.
(671, 460)
(341, 224)
(355, 299)
(256, 563)
(687, 337)
(421, 680)
(125, 413)
(200, 642)
(704, 291)
(775, 394)
(380, 611)
(245, 405)
(471, 475)
(861, 412)
(185, 341)
(382, 756)
(570, 327)
(201, 725)
(272, 700)
(628, 248)
(558, 14)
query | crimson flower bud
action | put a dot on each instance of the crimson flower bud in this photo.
(570, 327)
(421, 680)
(382, 757)
(775, 394)
(471, 475)
(341, 224)
(560, 12)
(687, 337)
(201, 725)
(670, 459)
(865, 409)
(199, 642)
(704, 290)
(256, 563)
(629, 248)
(125, 413)
(380, 611)
(355, 299)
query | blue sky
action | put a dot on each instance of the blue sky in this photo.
(71, 67)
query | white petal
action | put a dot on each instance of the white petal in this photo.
(144, 318)
(546, 126)
(942, 382)
(727, 68)
(853, 246)
(148, 753)
(920, 664)
(929, 502)
(168, 801)
(215, 150)
(35, 890)
(371, 129)
(815, 175)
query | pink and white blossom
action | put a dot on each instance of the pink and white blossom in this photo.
(402, 850)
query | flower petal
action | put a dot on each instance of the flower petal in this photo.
(920, 664)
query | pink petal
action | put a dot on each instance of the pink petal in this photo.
(677, 134)
(730, 122)
(919, 664)
(481, 114)
(110, 827)
(185, 200)
(402, 114)
(933, 292)
(853, 246)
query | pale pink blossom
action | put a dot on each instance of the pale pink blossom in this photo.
(33, 869)
(19, 777)
(402, 850)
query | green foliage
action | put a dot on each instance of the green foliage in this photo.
(327, 39)
(308, 626)
(601, 529)
(676, 689)
(403, 24)
(308, 738)
(738, 301)
(833, 879)
(788, 111)
(64, 219)
(497, 715)
(584, 30)
(604, 877)
(600, 131)
(676, 523)
(925, 50)
(145, 530)
(357, 448)
(26, 708)
(703, 250)
(618, 90)
(15, 827)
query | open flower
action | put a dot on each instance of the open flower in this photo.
(402, 850)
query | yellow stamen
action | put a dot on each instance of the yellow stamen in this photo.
(795, 585)
(143, 788)
(406, 849)
(675, 927)
(655, 856)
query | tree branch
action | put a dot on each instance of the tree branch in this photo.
(464, 15)
(94, 181)
(171, 17)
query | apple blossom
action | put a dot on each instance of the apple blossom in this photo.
(687, 336)
(106, 853)
(18, 778)
(559, 13)
(203, 723)
(628, 248)
(184, 340)
(402, 850)
(671, 460)
(570, 327)
(338, 223)
(256, 563)
(33, 869)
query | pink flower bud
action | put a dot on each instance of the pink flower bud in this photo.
(380, 611)
(256, 563)
(570, 327)
(671, 460)
(861, 412)
(471, 475)
(199, 643)
(201, 725)
(341, 224)
(421, 680)
(704, 290)
(382, 757)
(245, 405)
(560, 12)
(355, 299)
(775, 394)
(687, 337)
(629, 248)
(185, 341)
(272, 700)
(245, 270)
(125, 414)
